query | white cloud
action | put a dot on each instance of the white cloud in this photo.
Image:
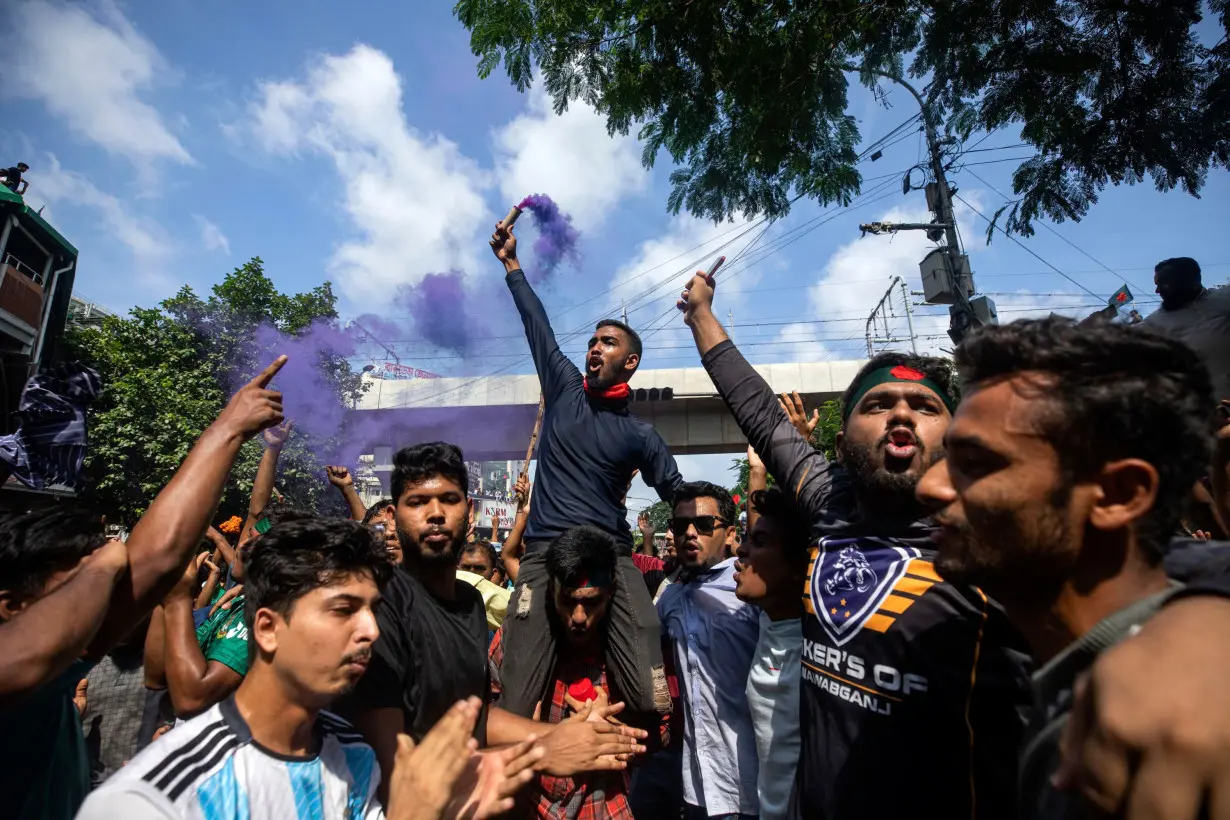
(851, 283)
(571, 157)
(414, 198)
(151, 249)
(89, 70)
(211, 236)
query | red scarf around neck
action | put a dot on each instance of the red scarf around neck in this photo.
(614, 393)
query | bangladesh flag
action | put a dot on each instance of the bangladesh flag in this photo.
(1120, 297)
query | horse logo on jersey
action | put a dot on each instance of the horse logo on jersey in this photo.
(850, 578)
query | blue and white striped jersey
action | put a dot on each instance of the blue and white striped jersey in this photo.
(210, 768)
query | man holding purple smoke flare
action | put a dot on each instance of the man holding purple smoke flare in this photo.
(588, 451)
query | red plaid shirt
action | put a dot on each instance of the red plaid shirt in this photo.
(591, 796)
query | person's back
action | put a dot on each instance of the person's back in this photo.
(1197, 316)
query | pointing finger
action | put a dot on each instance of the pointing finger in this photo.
(266, 375)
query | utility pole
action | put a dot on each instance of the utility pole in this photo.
(909, 315)
(887, 300)
(939, 201)
(623, 311)
(372, 336)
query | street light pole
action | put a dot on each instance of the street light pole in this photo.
(962, 314)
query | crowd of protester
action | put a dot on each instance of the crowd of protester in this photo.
(993, 604)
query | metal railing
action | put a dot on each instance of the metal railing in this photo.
(18, 265)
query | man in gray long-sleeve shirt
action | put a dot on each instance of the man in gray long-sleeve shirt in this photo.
(589, 449)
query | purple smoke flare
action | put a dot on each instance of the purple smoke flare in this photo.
(438, 305)
(557, 239)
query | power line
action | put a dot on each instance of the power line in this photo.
(1026, 248)
(1081, 250)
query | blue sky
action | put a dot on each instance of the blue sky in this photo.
(171, 141)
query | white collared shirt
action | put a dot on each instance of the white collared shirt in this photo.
(715, 636)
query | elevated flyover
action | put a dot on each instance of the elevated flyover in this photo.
(491, 417)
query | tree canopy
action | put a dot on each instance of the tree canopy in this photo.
(749, 97)
(168, 371)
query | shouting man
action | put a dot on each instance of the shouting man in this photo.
(900, 669)
(588, 450)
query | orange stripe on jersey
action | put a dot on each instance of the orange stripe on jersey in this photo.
(878, 622)
(798, 488)
(807, 605)
(923, 569)
(896, 604)
(912, 586)
(840, 679)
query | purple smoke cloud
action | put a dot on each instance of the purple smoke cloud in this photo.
(557, 239)
(438, 305)
(309, 399)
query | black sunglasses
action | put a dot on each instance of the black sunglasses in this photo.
(705, 524)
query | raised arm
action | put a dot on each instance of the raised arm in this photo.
(510, 552)
(266, 474)
(340, 477)
(555, 372)
(757, 479)
(165, 537)
(195, 683)
(54, 630)
(802, 470)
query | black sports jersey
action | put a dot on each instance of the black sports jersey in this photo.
(913, 689)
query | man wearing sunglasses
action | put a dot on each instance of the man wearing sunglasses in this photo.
(714, 635)
(910, 685)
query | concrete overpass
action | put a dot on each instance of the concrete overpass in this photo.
(491, 417)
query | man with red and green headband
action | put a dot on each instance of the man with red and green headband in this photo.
(911, 687)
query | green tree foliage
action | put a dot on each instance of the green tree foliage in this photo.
(749, 97)
(659, 513)
(823, 438)
(168, 371)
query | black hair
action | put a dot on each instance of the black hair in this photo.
(690, 490)
(414, 464)
(581, 553)
(480, 545)
(377, 509)
(279, 512)
(634, 339)
(296, 557)
(36, 545)
(794, 526)
(936, 369)
(1119, 392)
(21, 166)
(1184, 266)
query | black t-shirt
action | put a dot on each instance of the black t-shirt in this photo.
(12, 176)
(430, 654)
